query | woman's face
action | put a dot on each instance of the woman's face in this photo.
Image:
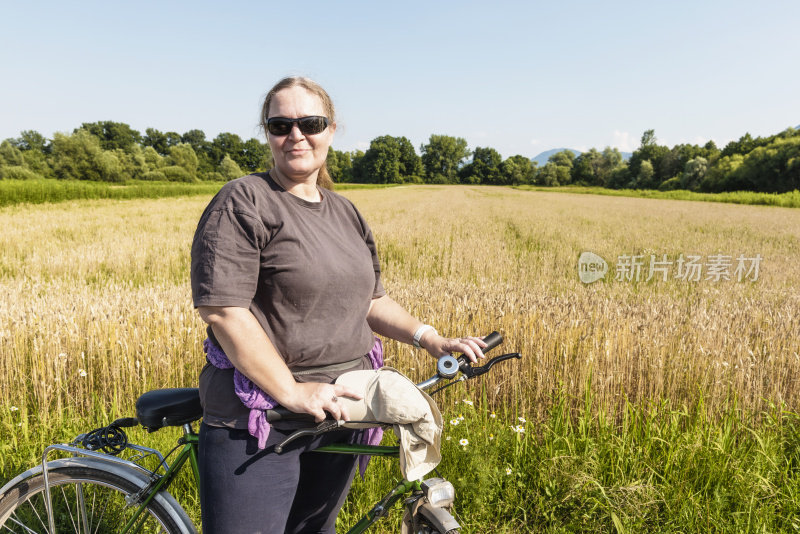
(299, 156)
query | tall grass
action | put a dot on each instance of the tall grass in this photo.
(785, 200)
(47, 190)
(649, 406)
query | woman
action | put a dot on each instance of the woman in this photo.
(285, 273)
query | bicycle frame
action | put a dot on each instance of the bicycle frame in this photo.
(189, 452)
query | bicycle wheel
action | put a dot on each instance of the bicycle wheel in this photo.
(85, 500)
(423, 526)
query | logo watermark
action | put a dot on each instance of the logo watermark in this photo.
(686, 267)
(591, 267)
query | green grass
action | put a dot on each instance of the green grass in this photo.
(46, 190)
(785, 200)
(657, 468)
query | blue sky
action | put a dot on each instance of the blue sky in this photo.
(521, 77)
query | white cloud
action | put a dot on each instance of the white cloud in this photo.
(362, 145)
(535, 142)
(625, 141)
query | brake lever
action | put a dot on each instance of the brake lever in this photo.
(325, 426)
(472, 371)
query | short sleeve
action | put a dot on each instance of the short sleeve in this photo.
(378, 291)
(226, 258)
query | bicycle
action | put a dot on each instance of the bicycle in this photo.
(95, 490)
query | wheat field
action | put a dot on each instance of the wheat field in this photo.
(96, 304)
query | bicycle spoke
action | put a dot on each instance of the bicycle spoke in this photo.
(42, 522)
(68, 509)
(13, 520)
(102, 513)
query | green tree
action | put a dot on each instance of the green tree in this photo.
(152, 158)
(389, 160)
(651, 151)
(229, 169)
(611, 162)
(31, 140)
(548, 175)
(10, 155)
(381, 162)
(357, 157)
(442, 157)
(340, 166)
(586, 168)
(183, 156)
(113, 135)
(254, 156)
(743, 146)
(557, 170)
(483, 169)
(132, 163)
(644, 179)
(773, 168)
(79, 157)
(410, 163)
(694, 173)
(517, 170)
(201, 147)
(157, 140)
(227, 143)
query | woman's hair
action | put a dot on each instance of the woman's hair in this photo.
(324, 178)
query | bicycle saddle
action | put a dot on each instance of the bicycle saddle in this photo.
(168, 407)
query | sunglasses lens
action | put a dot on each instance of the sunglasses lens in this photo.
(312, 125)
(279, 126)
(308, 125)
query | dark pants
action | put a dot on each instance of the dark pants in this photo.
(246, 491)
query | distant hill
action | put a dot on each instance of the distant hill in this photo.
(542, 158)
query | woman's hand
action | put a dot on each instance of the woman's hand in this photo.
(317, 398)
(438, 345)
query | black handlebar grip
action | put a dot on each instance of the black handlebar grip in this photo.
(492, 340)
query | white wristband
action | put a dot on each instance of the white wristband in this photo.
(420, 331)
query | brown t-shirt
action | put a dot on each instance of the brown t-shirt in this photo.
(306, 270)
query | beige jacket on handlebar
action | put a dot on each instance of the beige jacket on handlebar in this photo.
(390, 397)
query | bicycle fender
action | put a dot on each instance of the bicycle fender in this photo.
(137, 478)
(438, 517)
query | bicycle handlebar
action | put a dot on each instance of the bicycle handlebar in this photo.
(447, 367)
(460, 364)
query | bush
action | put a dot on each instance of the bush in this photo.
(214, 177)
(18, 172)
(154, 176)
(671, 184)
(174, 173)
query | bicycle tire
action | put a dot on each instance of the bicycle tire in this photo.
(23, 508)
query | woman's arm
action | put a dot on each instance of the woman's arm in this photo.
(388, 318)
(250, 350)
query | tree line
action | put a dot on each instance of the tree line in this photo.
(114, 152)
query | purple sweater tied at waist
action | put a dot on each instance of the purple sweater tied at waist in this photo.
(259, 402)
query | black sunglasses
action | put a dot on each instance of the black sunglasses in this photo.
(308, 125)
